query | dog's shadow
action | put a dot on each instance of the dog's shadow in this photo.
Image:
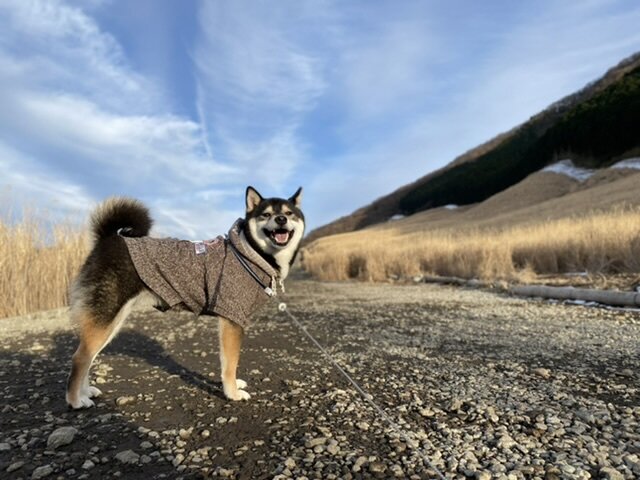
(132, 343)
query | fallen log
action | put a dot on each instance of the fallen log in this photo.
(607, 297)
(615, 298)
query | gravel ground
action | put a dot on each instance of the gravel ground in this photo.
(489, 386)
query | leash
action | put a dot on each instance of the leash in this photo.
(282, 307)
(268, 290)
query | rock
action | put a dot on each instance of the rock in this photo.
(42, 472)
(88, 465)
(358, 465)
(333, 448)
(14, 466)
(456, 404)
(146, 445)
(314, 442)
(377, 467)
(4, 447)
(205, 434)
(505, 441)
(482, 475)
(610, 473)
(61, 436)
(586, 416)
(120, 401)
(128, 456)
(633, 462)
(491, 414)
(185, 434)
(290, 463)
(363, 426)
(542, 372)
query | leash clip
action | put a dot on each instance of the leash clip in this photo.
(269, 291)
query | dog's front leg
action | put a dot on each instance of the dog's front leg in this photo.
(230, 335)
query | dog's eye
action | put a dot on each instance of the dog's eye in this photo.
(288, 214)
(266, 215)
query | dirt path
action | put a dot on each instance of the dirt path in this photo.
(492, 386)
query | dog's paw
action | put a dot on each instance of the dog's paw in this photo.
(241, 384)
(238, 395)
(82, 401)
(94, 392)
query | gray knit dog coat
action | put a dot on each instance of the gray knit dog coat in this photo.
(207, 277)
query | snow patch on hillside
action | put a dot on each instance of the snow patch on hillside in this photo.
(397, 216)
(633, 163)
(451, 206)
(568, 168)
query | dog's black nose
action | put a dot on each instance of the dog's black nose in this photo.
(281, 219)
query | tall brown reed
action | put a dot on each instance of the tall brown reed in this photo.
(602, 241)
(37, 265)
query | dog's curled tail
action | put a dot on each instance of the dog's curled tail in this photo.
(123, 215)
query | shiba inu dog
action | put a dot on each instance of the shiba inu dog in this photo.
(229, 277)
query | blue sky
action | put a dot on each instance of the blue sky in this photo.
(182, 103)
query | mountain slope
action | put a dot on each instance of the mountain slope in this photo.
(596, 126)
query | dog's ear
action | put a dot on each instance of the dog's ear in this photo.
(296, 198)
(253, 198)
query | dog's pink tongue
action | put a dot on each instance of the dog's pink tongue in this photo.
(282, 237)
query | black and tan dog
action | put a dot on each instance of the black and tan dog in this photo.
(230, 277)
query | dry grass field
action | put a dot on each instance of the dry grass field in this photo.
(37, 265)
(546, 224)
(602, 241)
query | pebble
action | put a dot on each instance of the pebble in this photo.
(506, 442)
(128, 456)
(377, 467)
(448, 365)
(120, 401)
(543, 372)
(315, 442)
(357, 466)
(61, 436)
(42, 472)
(14, 466)
(610, 473)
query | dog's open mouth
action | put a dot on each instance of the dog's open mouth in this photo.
(279, 236)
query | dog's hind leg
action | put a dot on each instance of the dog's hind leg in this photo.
(231, 335)
(94, 336)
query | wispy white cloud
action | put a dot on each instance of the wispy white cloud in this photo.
(544, 53)
(349, 100)
(256, 82)
(89, 125)
(64, 49)
(29, 186)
